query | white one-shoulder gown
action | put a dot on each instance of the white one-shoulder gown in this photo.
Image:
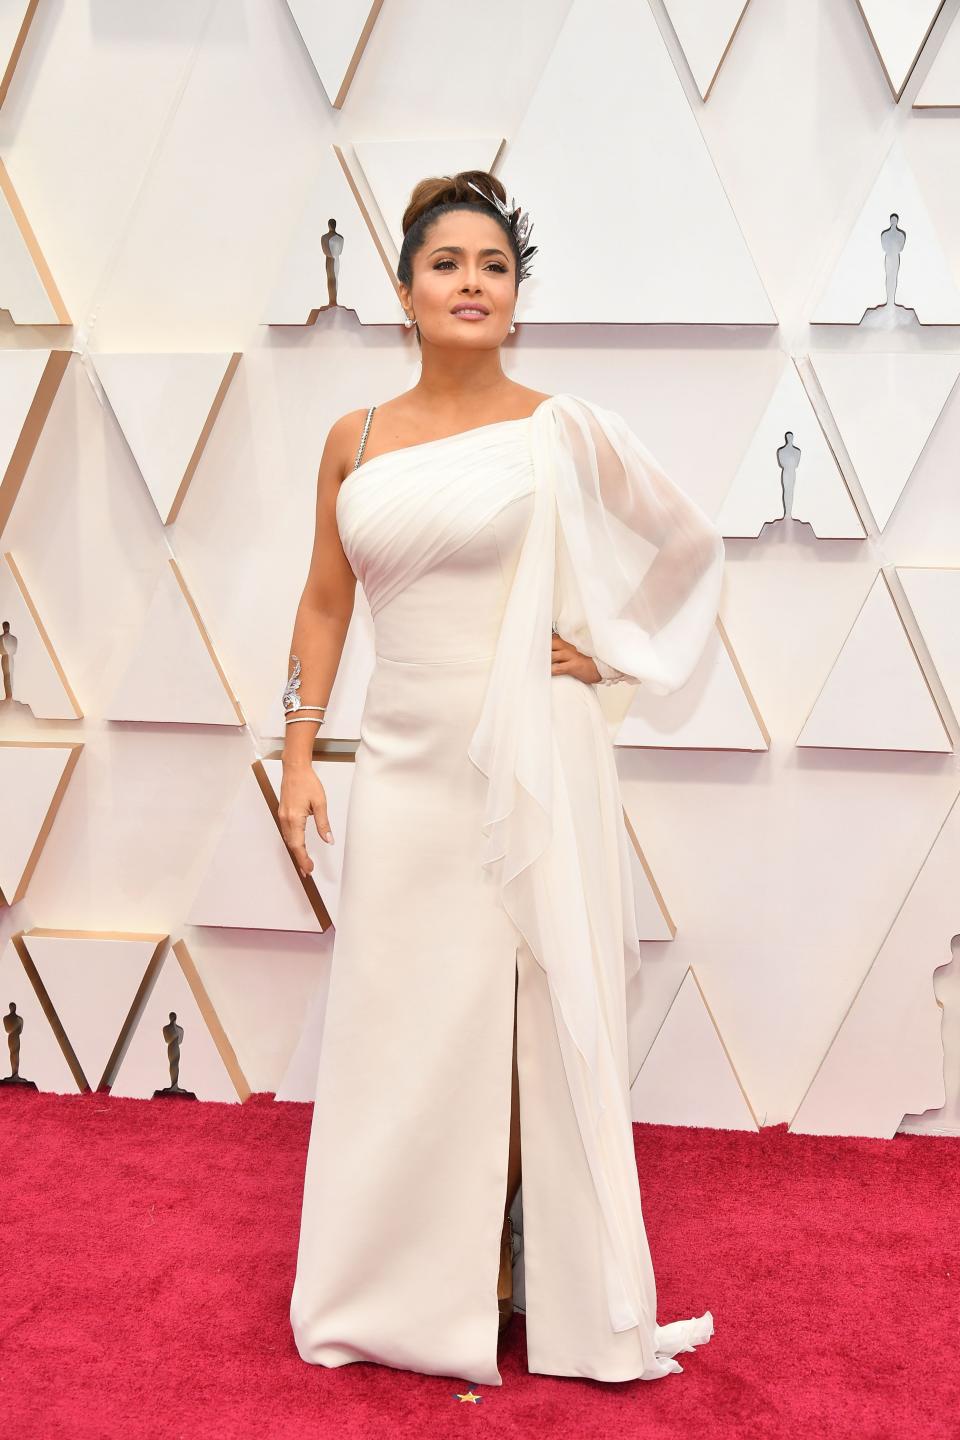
(484, 847)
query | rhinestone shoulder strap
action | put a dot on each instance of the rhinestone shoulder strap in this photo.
(363, 437)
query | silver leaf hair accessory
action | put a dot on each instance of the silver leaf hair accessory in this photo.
(518, 221)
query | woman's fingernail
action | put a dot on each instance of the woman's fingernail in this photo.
(329, 836)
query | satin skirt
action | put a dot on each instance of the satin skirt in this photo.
(406, 1170)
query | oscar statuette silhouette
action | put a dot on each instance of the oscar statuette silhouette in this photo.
(13, 1025)
(173, 1034)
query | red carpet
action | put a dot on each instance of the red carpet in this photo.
(149, 1249)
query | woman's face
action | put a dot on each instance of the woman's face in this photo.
(466, 259)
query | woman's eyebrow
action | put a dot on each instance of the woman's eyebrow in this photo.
(458, 250)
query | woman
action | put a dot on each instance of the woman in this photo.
(516, 549)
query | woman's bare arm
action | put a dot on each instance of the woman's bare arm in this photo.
(319, 632)
(326, 604)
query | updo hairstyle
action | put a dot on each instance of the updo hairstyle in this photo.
(437, 196)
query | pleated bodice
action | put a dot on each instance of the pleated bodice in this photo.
(434, 532)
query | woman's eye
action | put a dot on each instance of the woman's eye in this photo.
(497, 265)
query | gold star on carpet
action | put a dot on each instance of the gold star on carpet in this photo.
(470, 1397)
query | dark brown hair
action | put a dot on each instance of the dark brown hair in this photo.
(437, 196)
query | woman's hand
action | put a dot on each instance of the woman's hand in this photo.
(302, 795)
(566, 659)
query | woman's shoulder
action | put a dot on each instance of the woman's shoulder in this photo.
(536, 398)
(350, 426)
(581, 415)
(406, 422)
(344, 437)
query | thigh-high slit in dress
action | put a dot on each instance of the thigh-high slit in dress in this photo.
(485, 866)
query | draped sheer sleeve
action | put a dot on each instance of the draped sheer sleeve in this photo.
(629, 568)
(639, 564)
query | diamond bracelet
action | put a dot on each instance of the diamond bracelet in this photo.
(292, 701)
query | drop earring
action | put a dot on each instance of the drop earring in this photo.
(512, 327)
(408, 321)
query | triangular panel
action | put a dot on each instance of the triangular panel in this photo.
(29, 379)
(899, 30)
(705, 30)
(892, 266)
(934, 598)
(92, 981)
(334, 258)
(16, 17)
(876, 696)
(336, 777)
(166, 406)
(27, 288)
(687, 1077)
(252, 881)
(201, 1060)
(789, 470)
(30, 1040)
(30, 672)
(335, 36)
(941, 86)
(712, 711)
(33, 781)
(653, 918)
(174, 676)
(886, 1059)
(885, 405)
(609, 121)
